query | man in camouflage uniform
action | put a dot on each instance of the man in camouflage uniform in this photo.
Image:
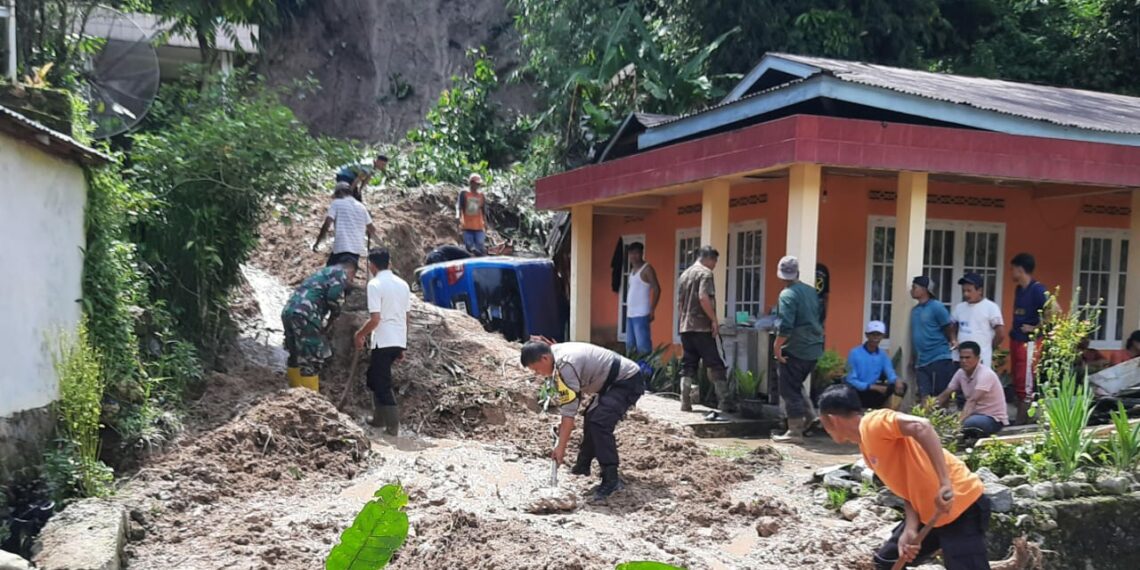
(303, 319)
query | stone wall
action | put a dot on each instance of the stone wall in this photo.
(1090, 533)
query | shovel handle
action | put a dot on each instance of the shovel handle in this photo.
(900, 563)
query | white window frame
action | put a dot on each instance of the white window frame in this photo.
(959, 227)
(1110, 305)
(732, 269)
(625, 241)
(682, 234)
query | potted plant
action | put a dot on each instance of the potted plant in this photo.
(747, 383)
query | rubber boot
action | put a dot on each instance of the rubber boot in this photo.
(611, 483)
(686, 394)
(582, 466)
(311, 382)
(794, 433)
(725, 399)
(293, 375)
(391, 417)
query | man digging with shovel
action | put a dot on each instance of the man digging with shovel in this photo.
(938, 490)
(580, 369)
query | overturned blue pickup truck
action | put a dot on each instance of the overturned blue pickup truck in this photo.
(516, 297)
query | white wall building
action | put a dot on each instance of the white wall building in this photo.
(43, 194)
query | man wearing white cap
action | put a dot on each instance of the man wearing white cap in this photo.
(471, 210)
(798, 345)
(870, 370)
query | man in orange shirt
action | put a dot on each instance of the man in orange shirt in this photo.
(471, 209)
(905, 452)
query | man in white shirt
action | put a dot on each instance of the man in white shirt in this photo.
(388, 300)
(353, 223)
(977, 319)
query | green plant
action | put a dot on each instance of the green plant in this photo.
(867, 489)
(732, 452)
(836, 497)
(1066, 407)
(1000, 457)
(748, 382)
(224, 157)
(1123, 446)
(945, 422)
(378, 531)
(830, 367)
(1062, 333)
(75, 461)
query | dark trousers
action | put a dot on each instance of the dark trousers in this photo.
(698, 347)
(933, 378)
(338, 258)
(873, 400)
(963, 542)
(602, 416)
(792, 375)
(380, 374)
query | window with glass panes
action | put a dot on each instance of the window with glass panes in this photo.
(745, 269)
(623, 308)
(951, 249)
(688, 242)
(1100, 274)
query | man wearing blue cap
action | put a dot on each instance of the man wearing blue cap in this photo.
(930, 337)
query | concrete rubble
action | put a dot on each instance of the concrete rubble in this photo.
(87, 535)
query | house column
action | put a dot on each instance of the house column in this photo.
(1132, 281)
(581, 254)
(910, 238)
(714, 232)
(803, 217)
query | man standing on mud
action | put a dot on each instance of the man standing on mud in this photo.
(798, 345)
(353, 225)
(388, 301)
(936, 487)
(696, 307)
(303, 319)
(579, 369)
(471, 209)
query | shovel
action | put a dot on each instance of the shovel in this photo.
(900, 563)
(351, 380)
(553, 463)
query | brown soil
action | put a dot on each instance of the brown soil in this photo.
(410, 223)
(268, 478)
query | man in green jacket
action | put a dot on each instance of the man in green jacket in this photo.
(798, 345)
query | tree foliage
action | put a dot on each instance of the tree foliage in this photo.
(216, 172)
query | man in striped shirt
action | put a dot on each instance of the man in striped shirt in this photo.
(352, 222)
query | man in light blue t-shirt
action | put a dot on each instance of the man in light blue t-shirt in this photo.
(931, 337)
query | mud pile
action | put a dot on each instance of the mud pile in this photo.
(290, 434)
(410, 224)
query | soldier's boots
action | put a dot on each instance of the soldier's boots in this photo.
(611, 483)
(687, 385)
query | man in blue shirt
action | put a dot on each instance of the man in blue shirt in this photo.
(1029, 301)
(930, 337)
(870, 370)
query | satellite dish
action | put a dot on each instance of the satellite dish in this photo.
(121, 76)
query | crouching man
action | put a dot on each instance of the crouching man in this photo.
(580, 369)
(303, 319)
(905, 452)
(984, 413)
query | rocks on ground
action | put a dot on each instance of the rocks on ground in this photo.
(9, 561)
(87, 535)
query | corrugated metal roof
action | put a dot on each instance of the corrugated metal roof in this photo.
(1077, 108)
(727, 103)
(48, 140)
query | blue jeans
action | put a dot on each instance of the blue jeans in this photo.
(474, 241)
(933, 378)
(982, 424)
(637, 338)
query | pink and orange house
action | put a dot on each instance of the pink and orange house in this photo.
(878, 173)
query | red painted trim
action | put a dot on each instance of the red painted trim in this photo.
(848, 143)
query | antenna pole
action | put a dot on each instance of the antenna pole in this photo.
(11, 13)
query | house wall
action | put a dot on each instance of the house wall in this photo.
(41, 226)
(1045, 228)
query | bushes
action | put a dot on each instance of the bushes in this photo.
(215, 172)
(73, 468)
